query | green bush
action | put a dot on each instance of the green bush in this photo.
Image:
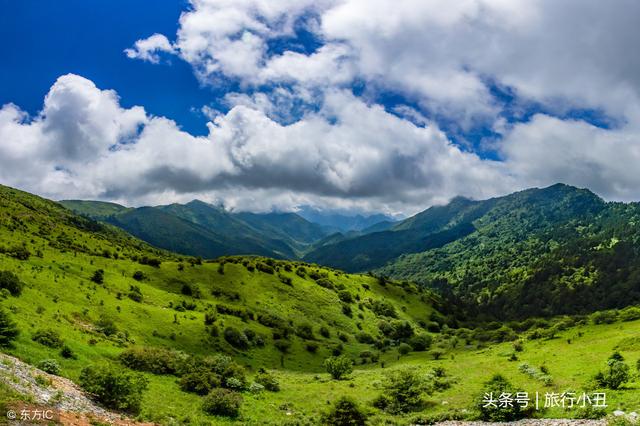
(404, 348)
(152, 360)
(631, 313)
(305, 331)
(420, 342)
(402, 392)
(201, 382)
(383, 308)
(50, 366)
(495, 387)
(222, 402)
(267, 380)
(98, 276)
(135, 294)
(11, 282)
(236, 338)
(67, 352)
(106, 326)
(616, 374)
(8, 329)
(345, 412)
(324, 332)
(139, 276)
(364, 337)
(604, 317)
(113, 387)
(338, 367)
(345, 296)
(48, 337)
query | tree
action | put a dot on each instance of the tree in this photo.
(403, 391)
(345, 412)
(616, 375)
(222, 402)
(493, 412)
(11, 282)
(8, 329)
(98, 276)
(338, 367)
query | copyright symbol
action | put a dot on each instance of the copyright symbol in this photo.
(11, 415)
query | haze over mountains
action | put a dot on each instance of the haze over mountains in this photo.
(201, 229)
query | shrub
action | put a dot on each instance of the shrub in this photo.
(305, 331)
(345, 296)
(152, 360)
(324, 282)
(19, 252)
(201, 382)
(50, 366)
(255, 387)
(437, 353)
(98, 276)
(324, 332)
(420, 342)
(282, 345)
(67, 352)
(267, 380)
(604, 317)
(363, 337)
(48, 337)
(495, 412)
(209, 317)
(338, 367)
(8, 329)
(263, 267)
(11, 282)
(402, 392)
(345, 412)
(616, 375)
(631, 313)
(346, 309)
(404, 348)
(115, 388)
(222, 402)
(311, 347)
(150, 261)
(139, 276)
(106, 326)
(135, 294)
(383, 308)
(236, 338)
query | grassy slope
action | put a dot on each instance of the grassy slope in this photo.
(59, 283)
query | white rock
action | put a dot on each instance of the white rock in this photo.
(618, 413)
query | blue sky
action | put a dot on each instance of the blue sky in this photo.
(88, 39)
(335, 104)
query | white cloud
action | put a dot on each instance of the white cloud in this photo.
(147, 49)
(85, 145)
(569, 54)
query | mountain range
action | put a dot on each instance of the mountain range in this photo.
(201, 229)
(540, 251)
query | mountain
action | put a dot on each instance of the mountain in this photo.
(538, 252)
(201, 229)
(337, 222)
(101, 308)
(432, 228)
(83, 293)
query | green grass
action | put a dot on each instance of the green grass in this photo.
(59, 295)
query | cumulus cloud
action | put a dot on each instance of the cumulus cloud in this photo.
(85, 145)
(443, 55)
(295, 132)
(148, 49)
